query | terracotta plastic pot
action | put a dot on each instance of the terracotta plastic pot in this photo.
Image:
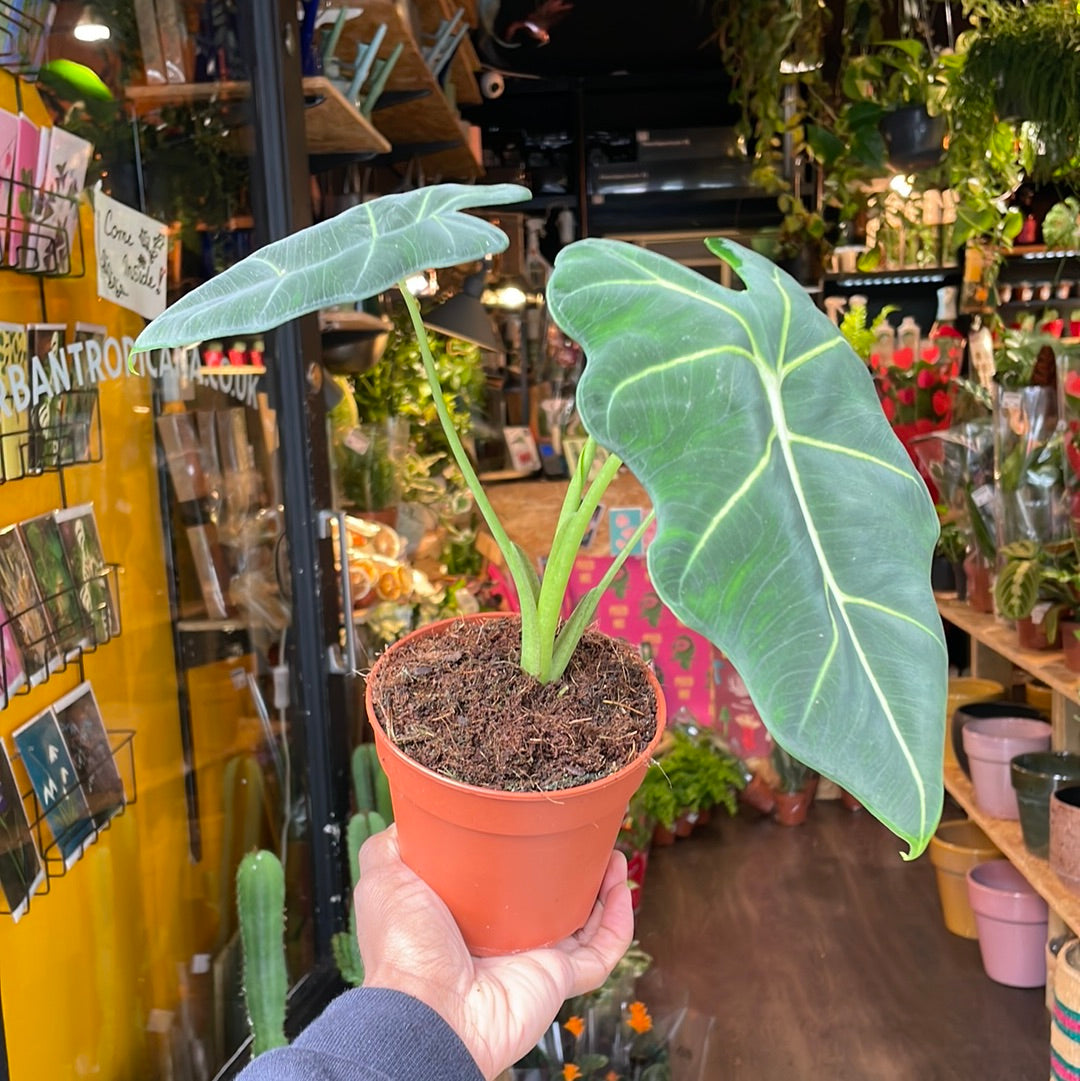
(1065, 835)
(517, 870)
(971, 711)
(1032, 635)
(955, 848)
(964, 690)
(991, 744)
(792, 807)
(1065, 1014)
(1012, 920)
(1035, 777)
(980, 593)
(1070, 644)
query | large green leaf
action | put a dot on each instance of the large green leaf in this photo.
(793, 531)
(355, 255)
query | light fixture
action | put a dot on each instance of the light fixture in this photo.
(902, 185)
(89, 27)
(508, 293)
(464, 316)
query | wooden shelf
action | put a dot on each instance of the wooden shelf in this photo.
(334, 126)
(1047, 665)
(423, 121)
(1006, 834)
(466, 63)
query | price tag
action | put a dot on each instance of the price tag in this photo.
(1011, 400)
(1038, 613)
(982, 495)
(357, 441)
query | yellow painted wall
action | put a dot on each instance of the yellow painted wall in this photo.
(84, 973)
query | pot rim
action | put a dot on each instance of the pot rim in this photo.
(555, 795)
(1024, 766)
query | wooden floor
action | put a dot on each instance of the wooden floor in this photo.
(822, 956)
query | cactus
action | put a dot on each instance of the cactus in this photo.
(344, 945)
(260, 904)
(363, 782)
(383, 805)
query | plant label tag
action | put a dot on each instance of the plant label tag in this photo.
(357, 442)
(1038, 613)
(1011, 400)
(982, 495)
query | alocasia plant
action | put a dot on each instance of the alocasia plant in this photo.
(758, 436)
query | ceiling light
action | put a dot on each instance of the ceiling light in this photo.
(464, 316)
(90, 27)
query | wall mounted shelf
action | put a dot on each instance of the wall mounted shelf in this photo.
(334, 126)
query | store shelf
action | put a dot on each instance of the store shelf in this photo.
(334, 126)
(465, 63)
(1047, 665)
(1006, 834)
(428, 125)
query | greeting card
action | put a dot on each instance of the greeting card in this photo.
(21, 869)
(22, 251)
(9, 134)
(82, 546)
(12, 673)
(55, 581)
(14, 398)
(20, 597)
(88, 744)
(48, 764)
(63, 175)
(49, 439)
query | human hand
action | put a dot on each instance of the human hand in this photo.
(499, 1006)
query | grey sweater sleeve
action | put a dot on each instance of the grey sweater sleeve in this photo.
(370, 1035)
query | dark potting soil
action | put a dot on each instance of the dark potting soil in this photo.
(458, 703)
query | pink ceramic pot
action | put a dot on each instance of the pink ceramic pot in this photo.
(991, 743)
(1065, 835)
(1012, 920)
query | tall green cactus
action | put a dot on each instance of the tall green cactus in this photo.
(370, 786)
(344, 945)
(260, 904)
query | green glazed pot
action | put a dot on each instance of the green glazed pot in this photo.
(1035, 776)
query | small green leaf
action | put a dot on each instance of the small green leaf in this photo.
(774, 474)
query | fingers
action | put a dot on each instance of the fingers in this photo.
(379, 850)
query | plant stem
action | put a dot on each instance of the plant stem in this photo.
(515, 560)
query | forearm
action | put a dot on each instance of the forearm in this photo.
(370, 1035)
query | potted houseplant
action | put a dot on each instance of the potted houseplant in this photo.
(1040, 581)
(758, 437)
(796, 786)
(695, 774)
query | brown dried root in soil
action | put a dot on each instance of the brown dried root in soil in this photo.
(459, 704)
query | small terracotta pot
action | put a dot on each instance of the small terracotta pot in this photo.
(1032, 635)
(793, 807)
(516, 869)
(1070, 644)
(849, 802)
(980, 594)
(662, 836)
(758, 794)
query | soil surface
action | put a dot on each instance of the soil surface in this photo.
(459, 703)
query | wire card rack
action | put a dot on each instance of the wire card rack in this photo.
(39, 230)
(63, 430)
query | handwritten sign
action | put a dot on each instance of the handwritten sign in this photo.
(131, 252)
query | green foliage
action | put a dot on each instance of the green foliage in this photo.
(344, 944)
(791, 773)
(859, 336)
(692, 774)
(732, 408)
(260, 906)
(1061, 226)
(1034, 574)
(952, 543)
(363, 780)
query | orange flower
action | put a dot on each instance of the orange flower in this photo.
(570, 1072)
(611, 1075)
(639, 1019)
(575, 1026)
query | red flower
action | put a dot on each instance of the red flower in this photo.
(1072, 453)
(906, 396)
(1072, 384)
(930, 354)
(941, 403)
(903, 359)
(875, 362)
(888, 407)
(926, 378)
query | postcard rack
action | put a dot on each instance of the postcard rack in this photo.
(24, 30)
(71, 435)
(35, 631)
(59, 852)
(40, 231)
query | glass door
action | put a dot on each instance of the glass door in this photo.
(216, 664)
